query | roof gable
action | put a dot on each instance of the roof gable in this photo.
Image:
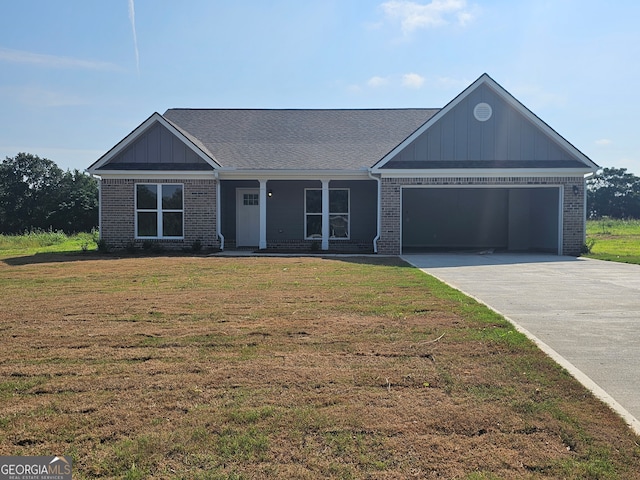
(512, 137)
(155, 144)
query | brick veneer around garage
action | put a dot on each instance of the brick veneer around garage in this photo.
(573, 208)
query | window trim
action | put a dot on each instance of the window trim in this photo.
(159, 211)
(329, 214)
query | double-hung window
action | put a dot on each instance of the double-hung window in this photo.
(338, 213)
(159, 210)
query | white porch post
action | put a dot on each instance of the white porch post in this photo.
(263, 214)
(325, 215)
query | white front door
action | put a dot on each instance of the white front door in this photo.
(247, 217)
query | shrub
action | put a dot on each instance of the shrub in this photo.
(103, 246)
(587, 246)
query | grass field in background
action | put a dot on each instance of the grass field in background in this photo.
(614, 240)
(43, 241)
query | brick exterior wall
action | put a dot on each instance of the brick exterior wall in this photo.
(118, 212)
(573, 228)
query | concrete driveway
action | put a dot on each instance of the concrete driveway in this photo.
(583, 313)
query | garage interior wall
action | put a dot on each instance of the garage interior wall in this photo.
(508, 219)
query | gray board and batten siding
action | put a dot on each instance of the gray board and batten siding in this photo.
(157, 149)
(459, 140)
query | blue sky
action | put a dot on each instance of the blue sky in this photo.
(79, 75)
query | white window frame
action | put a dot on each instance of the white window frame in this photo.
(159, 211)
(330, 214)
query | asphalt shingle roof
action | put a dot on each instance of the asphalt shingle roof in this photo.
(298, 139)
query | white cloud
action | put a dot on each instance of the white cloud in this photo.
(437, 13)
(376, 82)
(603, 142)
(412, 80)
(53, 61)
(407, 80)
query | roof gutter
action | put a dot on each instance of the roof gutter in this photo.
(379, 212)
(290, 174)
(479, 172)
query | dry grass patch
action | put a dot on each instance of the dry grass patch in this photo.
(177, 367)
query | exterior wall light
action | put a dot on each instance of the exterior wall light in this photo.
(270, 193)
(576, 190)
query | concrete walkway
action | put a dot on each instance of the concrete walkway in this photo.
(583, 313)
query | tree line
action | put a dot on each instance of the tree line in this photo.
(613, 192)
(37, 194)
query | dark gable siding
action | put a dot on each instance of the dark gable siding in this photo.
(459, 137)
(157, 145)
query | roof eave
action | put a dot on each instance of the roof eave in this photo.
(292, 174)
(481, 172)
(153, 174)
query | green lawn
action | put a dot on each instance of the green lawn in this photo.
(614, 240)
(40, 241)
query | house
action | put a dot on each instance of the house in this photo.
(482, 172)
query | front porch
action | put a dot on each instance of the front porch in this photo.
(298, 215)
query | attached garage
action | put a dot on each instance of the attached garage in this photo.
(480, 218)
(484, 173)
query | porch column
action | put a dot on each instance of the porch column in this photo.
(325, 215)
(263, 215)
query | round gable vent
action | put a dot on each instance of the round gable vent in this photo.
(482, 112)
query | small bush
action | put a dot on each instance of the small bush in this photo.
(103, 246)
(157, 247)
(150, 246)
(131, 247)
(196, 246)
(588, 246)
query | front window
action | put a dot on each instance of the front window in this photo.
(159, 210)
(338, 213)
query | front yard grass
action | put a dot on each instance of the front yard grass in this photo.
(238, 368)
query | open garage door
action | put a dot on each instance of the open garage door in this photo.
(503, 219)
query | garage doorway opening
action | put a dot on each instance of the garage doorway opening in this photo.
(525, 219)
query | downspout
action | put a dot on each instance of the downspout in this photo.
(218, 209)
(584, 207)
(379, 214)
(100, 208)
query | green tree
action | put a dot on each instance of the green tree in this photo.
(75, 208)
(36, 193)
(615, 193)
